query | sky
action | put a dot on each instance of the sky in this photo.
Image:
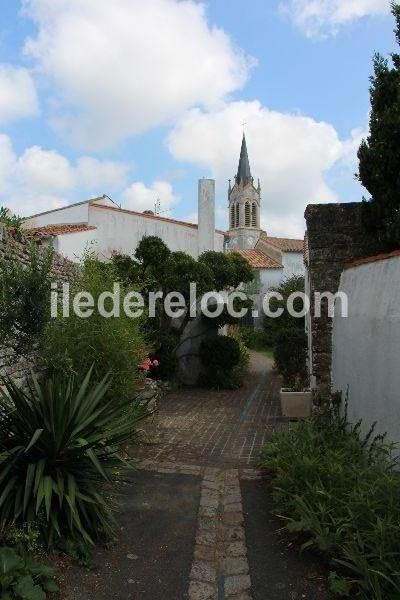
(139, 99)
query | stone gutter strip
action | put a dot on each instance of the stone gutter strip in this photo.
(220, 568)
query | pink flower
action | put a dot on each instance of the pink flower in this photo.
(155, 363)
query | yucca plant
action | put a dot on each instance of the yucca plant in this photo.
(60, 443)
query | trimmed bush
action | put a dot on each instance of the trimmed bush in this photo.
(220, 352)
(226, 359)
(290, 353)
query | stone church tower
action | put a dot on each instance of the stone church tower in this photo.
(244, 205)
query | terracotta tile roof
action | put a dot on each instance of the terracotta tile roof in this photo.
(285, 244)
(149, 216)
(62, 229)
(372, 259)
(258, 260)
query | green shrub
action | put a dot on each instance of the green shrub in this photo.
(9, 219)
(254, 339)
(60, 443)
(112, 345)
(26, 536)
(24, 297)
(226, 359)
(220, 352)
(22, 578)
(273, 327)
(290, 354)
(340, 492)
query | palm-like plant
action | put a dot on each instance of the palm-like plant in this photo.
(60, 444)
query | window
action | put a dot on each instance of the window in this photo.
(254, 214)
(237, 215)
(232, 216)
(247, 214)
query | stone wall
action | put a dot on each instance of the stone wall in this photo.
(15, 240)
(335, 236)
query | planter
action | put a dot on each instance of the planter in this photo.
(296, 405)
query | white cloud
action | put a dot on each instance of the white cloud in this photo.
(139, 197)
(40, 180)
(17, 94)
(290, 153)
(101, 174)
(318, 18)
(124, 66)
(44, 171)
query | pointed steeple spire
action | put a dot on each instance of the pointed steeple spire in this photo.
(243, 174)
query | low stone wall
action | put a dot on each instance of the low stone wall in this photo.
(17, 241)
(151, 393)
(335, 236)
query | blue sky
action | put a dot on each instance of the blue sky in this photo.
(138, 100)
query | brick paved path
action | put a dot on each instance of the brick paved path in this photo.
(218, 428)
(217, 435)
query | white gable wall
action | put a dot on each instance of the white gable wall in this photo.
(78, 213)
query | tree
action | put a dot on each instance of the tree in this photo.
(274, 326)
(229, 270)
(379, 154)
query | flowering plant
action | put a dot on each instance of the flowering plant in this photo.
(148, 364)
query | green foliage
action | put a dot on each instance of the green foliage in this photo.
(24, 297)
(113, 345)
(165, 353)
(290, 354)
(9, 219)
(226, 359)
(22, 578)
(272, 327)
(60, 444)
(180, 270)
(220, 352)
(339, 491)
(228, 270)
(152, 254)
(79, 551)
(254, 339)
(379, 154)
(26, 536)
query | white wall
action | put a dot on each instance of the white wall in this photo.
(70, 214)
(74, 245)
(293, 264)
(121, 231)
(366, 345)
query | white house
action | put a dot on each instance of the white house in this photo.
(104, 227)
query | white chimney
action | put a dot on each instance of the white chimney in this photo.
(206, 215)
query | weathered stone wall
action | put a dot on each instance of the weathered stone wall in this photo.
(14, 239)
(335, 236)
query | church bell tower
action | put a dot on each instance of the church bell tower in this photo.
(244, 205)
